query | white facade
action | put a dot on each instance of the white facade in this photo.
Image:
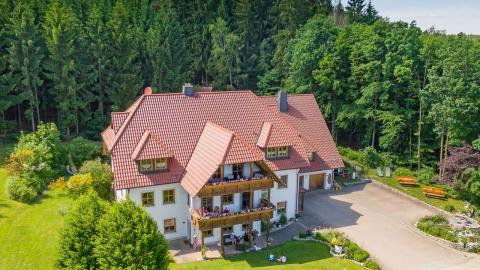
(180, 209)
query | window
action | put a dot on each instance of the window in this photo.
(149, 165)
(169, 225)
(310, 156)
(207, 203)
(208, 233)
(146, 165)
(245, 226)
(227, 199)
(160, 164)
(147, 199)
(217, 174)
(169, 196)
(281, 207)
(284, 180)
(283, 151)
(227, 230)
(246, 200)
(237, 170)
(271, 152)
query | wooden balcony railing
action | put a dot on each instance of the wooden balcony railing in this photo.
(235, 186)
(247, 216)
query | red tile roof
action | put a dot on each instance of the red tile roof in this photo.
(304, 114)
(271, 136)
(150, 147)
(178, 122)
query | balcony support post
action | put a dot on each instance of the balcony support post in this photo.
(222, 248)
(203, 245)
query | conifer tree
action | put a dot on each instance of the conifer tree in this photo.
(25, 56)
(128, 238)
(125, 82)
(61, 33)
(355, 10)
(166, 50)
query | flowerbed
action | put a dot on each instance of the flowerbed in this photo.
(351, 250)
(438, 226)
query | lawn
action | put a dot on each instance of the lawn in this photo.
(300, 255)
(414, 191)
(29, 233)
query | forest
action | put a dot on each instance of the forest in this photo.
(383, 84)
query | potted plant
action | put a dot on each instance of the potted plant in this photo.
(337, 243)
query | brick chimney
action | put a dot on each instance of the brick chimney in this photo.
(147, 91)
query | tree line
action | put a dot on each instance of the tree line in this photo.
(382, 84)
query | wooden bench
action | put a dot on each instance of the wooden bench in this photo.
(407, 181)
(434, 192)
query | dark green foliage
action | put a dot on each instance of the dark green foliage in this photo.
(79, 231)
(102, 177)
(449, 208)
(283, 219)
(81, 150)
(371, 157)
(302, 235)
(20, 189)
(128, 238)
(437, 226)
(354, 252)
(371, 264)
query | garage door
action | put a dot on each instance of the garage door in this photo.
(316, 181)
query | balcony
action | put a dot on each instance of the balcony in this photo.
(209, 221)
(217, 187)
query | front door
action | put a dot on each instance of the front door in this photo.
(207, 203)
(245, 200)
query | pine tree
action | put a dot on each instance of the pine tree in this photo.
(166, 50)
(224, 61)
(355, 10)
(125, 80)
(79, 231)
(371, 14)
(128, 238)
(61, 34)
(25, 57)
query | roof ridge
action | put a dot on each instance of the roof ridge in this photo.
(127, 121)
(218, 126)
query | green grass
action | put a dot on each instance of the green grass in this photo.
(414, 191)
(300, 255)
(29, 233)
(417, 192)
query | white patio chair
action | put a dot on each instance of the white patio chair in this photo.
(379, 171)
(388, 172)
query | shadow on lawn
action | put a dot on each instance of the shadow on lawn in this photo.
(297, 252)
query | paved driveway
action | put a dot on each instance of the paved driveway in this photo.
(382, 222)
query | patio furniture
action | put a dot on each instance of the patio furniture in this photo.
(379, 171)
(388, 172)
(434, 192)
(407, 181)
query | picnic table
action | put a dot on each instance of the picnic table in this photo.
(434, 192)
(407, 180)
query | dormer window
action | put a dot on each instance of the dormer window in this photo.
(277, 152)
(271, 152)
(310, 156)
(283, 151)
(150, 165)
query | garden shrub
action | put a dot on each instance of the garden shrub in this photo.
(319, 236)
(20, 189)
(356, 253)
(437, 226)
(81, 150)
(371, 264)
(350, 154)
(449, 208)
(402, 171)
(425, 176)
(302, 235)
(283, 219)
(102, 176)
(371, 157)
